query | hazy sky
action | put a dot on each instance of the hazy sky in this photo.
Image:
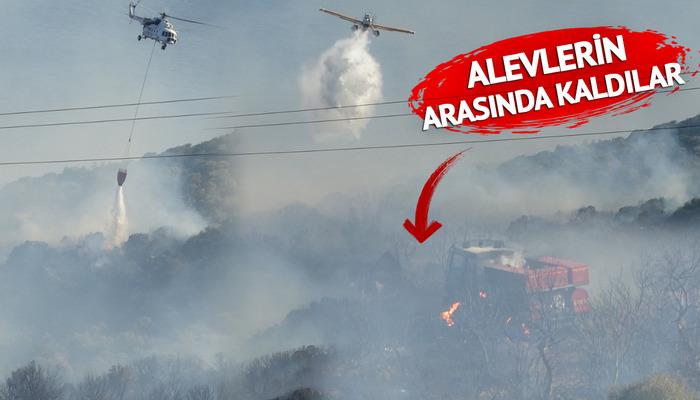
(73, 53)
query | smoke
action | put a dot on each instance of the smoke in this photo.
(606, 174)
(119, 231)
(345, 74)
(252, 272)
(66, 206)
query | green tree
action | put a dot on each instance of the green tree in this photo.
(657, 387)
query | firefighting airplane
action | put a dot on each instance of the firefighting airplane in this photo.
(366, 23)
(160, 28)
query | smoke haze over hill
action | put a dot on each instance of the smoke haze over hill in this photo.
(198, 278)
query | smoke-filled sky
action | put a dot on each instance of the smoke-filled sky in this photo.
(73, 53)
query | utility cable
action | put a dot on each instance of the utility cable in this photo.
(122, 105)
(252, 114)
(343, 149)
(204, 114)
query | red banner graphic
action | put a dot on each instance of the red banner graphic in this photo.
(561, 77)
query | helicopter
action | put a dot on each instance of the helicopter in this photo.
(366, 23)
(160, 29)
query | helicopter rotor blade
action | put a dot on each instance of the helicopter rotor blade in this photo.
(190, 20)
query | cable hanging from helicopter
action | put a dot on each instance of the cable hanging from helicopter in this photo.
(121, 174)
(160, 30)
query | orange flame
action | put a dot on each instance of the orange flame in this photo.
(526, 329)
(447, 315)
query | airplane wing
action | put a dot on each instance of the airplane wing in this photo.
(390, 29)
(341, 16)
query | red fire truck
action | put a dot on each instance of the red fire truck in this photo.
(519, 287)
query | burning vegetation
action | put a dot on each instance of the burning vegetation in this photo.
(447, 314)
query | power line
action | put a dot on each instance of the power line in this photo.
(317, 121)
(209, 98)
(381, 103)
(103, 106)
(263, 125)
(328, 108)
(339, 149)
(383, 116)
(112, 120)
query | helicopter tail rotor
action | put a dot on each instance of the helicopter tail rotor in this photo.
(132, 9)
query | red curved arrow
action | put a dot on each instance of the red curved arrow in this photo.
(421, 230)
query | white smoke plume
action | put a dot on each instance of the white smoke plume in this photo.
(345, 74)
(119, 231)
